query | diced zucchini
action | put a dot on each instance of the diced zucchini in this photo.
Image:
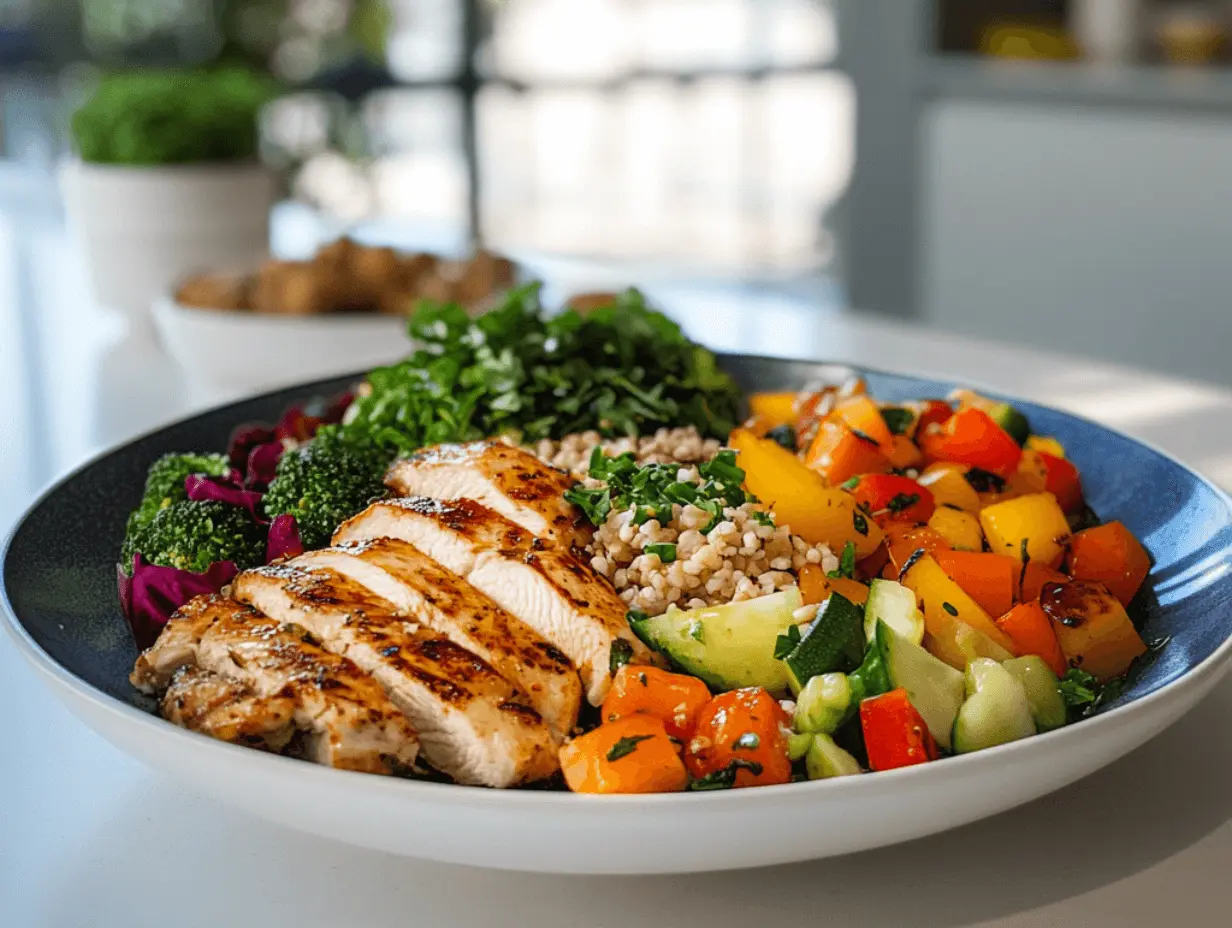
(1042, 688)
(996, 710)
(728, 646)
(1012, 420)
(826, 759)
(835, 641)
(823, 704)
(934, 687)
(895, 605)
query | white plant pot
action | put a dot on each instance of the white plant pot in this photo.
(144, 228)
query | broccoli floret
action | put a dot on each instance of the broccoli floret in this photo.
(192, 535)
(164, 484)
(324, 483)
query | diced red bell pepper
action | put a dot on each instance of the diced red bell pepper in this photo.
(744, 726)
(891, 498)
(1111, 555)
(1031, 579)
(894, 733)
(970, 436)
(1031, 632)
(934, 411)
(1062, 481)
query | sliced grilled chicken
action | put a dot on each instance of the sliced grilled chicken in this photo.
(422, 589)
(175, 648)
(539, 582)
(506, 479)
(348, 720)
(212, 705)
(472, 724)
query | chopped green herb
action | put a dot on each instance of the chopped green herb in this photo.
(620, 654)
(902, 501)
(1084, 695)
(665, 549)
(749, 741)
(726, 778)
(846, 563)
(859, 523)
(626, 746)
(850, 483)
(1079, 688)
(897, 419)
(949, 608)
(697, 631)
(786, 643)
(763, 518)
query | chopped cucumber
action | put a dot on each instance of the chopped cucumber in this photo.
(823, 704)
(1042, 688)
(727, 646)
(826, 759)
(996, 710)
(895, 605)
(835, 641)
(934, 687)
(1010, 419)
(798, 745)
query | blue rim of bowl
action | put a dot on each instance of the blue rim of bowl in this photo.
(1193, 677)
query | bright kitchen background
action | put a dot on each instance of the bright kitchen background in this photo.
(759, 165)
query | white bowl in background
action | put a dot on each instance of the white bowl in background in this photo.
(227, 354)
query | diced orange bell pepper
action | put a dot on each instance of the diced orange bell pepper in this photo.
(773, 409)
(894, 733)
(902, 541)
(745, 727)
(891, 498)
(1031, 631)
(1062, 481)
(1092, 627)
(838, 453)
(675, 699)
(863, 416)
(631, 755)
(970, 436)
(816, 587)
(1031, 579)
(987, 578)
(905, 453)
(1111, 555)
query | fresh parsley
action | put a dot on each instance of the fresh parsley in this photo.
(950, 608)
(763, 518)
(626, 746)
(846, 563)
(901, 502)
(665, 549)
(1084, 695)
(786, 643)
(620, 654)
(725, 778)
(849, 484)
(860, 523)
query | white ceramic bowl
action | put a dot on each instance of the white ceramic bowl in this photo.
(227, 354)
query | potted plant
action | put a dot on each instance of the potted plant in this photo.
(166, 179)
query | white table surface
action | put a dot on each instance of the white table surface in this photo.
(91, 838)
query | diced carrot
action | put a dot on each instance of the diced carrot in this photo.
(970, 436)
(838, 453)
(1031, 631)
(987, 578)
(1031, 578)
(631, 755)
(675, 699)
(892, 498)
(905, 454)
(1062, 481)
(774, 409)
(742, 727)
(1111, 555)
(894, 733)
(863, 416)
(1092, 627)
(902, 541)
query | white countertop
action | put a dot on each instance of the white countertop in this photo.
(90, 838)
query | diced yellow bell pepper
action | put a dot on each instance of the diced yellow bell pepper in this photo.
(960, 529)
(1031, 476)
(949, 487)
(1094, 630)
(1035, 521)
(774, 409)
(956, 624)
(799, 497)
(1047, 444)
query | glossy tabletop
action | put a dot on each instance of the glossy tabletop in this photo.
(90, 838)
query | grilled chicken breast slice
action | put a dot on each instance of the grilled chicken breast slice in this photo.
(506, 479)
(348, 720)
(229, 711)
(539, 582)
(473, 725)
(175, 648)
(422, 589)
